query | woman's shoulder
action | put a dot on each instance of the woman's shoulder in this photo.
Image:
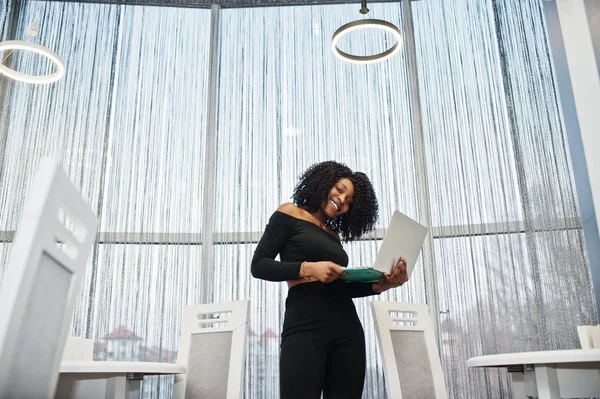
(286, 215)
(290, 209)
(295, 213)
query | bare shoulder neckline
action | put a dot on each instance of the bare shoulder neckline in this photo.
(299, 211)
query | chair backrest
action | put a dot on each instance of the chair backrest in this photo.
(411, 360)
(40, 285)
(213, 349)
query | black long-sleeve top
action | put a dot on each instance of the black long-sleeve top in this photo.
(297, 240)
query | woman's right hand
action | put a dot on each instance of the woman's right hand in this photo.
(325, 271)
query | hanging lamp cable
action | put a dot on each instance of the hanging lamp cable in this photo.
(364, 10)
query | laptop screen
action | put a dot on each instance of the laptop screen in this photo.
(404, 237)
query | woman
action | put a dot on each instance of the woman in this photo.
(322, 343)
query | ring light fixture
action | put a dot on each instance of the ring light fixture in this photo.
(364, 24)
(35, 48)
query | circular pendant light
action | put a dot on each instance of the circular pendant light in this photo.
(365, 24)
(35, 48)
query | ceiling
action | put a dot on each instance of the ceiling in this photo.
(227, 3)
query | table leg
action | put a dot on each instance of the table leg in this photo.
(546, 379)
(116, 387)
(523, 382)
(518, 385)
(133, 385)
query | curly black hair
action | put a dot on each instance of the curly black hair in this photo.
(313, 189)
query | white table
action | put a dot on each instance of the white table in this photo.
(549, 374)
(97, 379)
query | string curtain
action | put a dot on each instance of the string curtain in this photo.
(129, 125)
(285, 102)
(511, 269)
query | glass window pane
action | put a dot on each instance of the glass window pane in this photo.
(233, 281)
(155, 160)
(286, 102)
(505, 293)
(471, 156)
(139, 291)
(66, 120)
(265, 139)
(497, 152)
(137, 295)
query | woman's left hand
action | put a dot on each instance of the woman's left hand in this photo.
(398, 277)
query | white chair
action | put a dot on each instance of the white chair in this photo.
(412, 366)
(41, 282)
(213, 349)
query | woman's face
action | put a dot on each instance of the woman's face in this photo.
(340, 198)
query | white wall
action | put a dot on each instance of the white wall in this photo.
(574, 34)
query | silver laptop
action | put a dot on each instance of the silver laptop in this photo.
(404, 237)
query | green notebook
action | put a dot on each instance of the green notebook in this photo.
(364, 275)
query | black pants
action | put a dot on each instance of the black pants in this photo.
(322, 345)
